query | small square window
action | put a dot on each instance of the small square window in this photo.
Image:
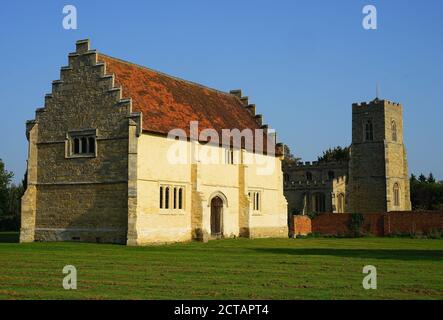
(81, 143)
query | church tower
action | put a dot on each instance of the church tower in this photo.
(378, 168)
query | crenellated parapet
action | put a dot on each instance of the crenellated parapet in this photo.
(374, 103)
(317, 164)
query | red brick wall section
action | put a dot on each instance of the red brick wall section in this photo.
(301, 226)
(412, 222)
(377, 224)
(329, 224)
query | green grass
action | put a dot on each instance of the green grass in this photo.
(315, 268)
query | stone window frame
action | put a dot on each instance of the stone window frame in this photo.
(230, 157)
(309, 176)
(169, 196)
(394, 132)
(396, 194)
(341, 202)
(368, 130)
(81, 134)
(257, 201)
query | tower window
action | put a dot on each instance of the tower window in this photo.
(309, 176)
(394, 130)
(396, 195)
(369, 130)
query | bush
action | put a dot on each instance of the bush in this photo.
(312, 215)
(435, 233)
(355, 222)
(9, 223)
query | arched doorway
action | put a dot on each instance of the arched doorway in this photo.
(216, 216)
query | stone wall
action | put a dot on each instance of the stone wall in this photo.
(376, 165)
(79, 198)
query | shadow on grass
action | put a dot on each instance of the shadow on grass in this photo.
(397, 254)
(9, 237)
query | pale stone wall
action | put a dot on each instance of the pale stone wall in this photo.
(202, 182)
(272, 219)
(339, 187)
(396, 163)
(155, 224)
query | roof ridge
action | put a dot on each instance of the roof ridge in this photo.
(168, 75)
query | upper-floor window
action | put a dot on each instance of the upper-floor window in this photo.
(229, 156)
(81, 143)
(369, 130)
(171, 197)
(394, 130)
(331, 175)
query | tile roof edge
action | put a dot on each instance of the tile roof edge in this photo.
(168, 75)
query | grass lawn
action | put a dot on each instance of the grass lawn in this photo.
(315, 268)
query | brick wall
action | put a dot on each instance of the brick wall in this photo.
(416, 222)
(378, 224)
(302, 225)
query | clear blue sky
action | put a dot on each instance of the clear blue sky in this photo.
(303, 63)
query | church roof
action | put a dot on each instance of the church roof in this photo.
(167, 102)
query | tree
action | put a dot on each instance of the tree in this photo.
(422, 178)
(426, 193)
(289, 157)
(5, 181)
(336, 154)
(431, 178)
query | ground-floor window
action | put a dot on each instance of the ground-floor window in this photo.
(171, 197)
(255, 197)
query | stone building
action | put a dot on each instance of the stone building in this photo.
(374, 179)
(99, 167)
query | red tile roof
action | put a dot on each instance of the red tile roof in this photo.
(168, 102)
